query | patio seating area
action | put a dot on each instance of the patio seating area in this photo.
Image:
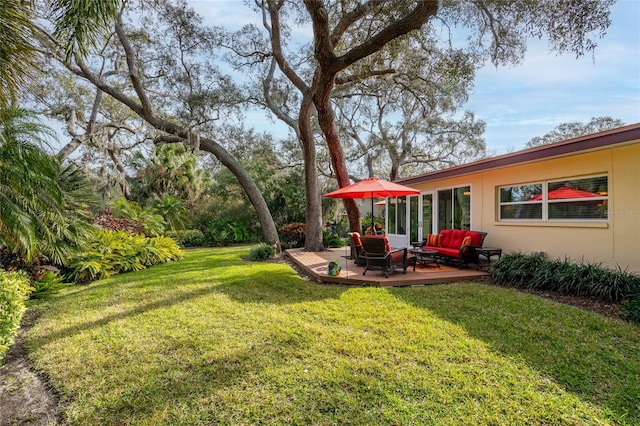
(315, 264)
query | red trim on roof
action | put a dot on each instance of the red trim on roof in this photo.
(594, 141)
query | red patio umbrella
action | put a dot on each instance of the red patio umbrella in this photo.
(565, 192)
(372, 187)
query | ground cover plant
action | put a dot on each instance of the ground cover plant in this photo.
(570, 277)
(216, 339)
(14, 292)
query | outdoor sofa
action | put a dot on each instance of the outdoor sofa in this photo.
(455, 245)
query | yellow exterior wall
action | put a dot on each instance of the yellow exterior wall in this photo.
(611, 243)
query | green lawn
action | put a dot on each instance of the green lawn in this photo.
(214, 339)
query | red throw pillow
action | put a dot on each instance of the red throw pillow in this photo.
(356, 239)
(434, 240)
(387, 244)
(466, 241)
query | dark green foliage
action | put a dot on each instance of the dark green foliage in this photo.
(223, 232)
(42, 204)
(187, 237)
(49, 283)
(565, 276)
(366, 224)
(293, 234)
(331, 240)
(14, 292)
(632, 309)
(261, 252)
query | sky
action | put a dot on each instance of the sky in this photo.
(529, 100)
(545, 90)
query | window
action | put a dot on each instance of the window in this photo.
(583, 198)
(521, 202)
(454, 208)
(427, 215)
(397, 216)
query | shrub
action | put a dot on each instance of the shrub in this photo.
(113, 252)
(261, 252)
(565, 276)
(50, 282)
(293, 234)
(14, 292)
(330, 239)
(187, 237)
(632, 309)
(225, 231)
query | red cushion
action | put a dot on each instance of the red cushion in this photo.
(457, 236)
(446, 237)
(434, 240)
(396, 258)
(449, 252)
(476, 239)
(387, 244)
(356, 238)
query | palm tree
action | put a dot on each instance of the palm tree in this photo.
(172, 209)
(16, 49)
(41, 203)
(77, 25)
(170, 169)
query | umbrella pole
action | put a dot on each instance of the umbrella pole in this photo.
(373, 227)
(346, 262)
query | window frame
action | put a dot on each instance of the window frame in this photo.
(546, 202)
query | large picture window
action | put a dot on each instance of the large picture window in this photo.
(454, 208)
(583, 198)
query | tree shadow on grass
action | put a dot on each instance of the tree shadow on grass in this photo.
(595, 357)
(279, 286)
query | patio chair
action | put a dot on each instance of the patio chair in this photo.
(355, 243)
(379, 255)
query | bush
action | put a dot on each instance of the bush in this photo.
(632, 309)
(293, 234)
(187, 237)
(261, 252)
(331, 240)
(14, 292)
(565, 276)
(113, 252)
(50, 282)
(225, 231)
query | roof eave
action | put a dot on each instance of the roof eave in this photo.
(592, 142)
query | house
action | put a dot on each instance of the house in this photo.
(578, 198)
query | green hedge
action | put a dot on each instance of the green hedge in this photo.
(113, 252)
(565, 276)
(14, 292)
(187, 237)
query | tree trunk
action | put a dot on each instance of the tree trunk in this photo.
(326, 119)
(313, 210)
(269, 229)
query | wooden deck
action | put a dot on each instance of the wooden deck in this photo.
(315, 263)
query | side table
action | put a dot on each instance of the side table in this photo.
(486, 253)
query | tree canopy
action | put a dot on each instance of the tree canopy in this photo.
(575, 129)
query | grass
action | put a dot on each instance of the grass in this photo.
(213, 339)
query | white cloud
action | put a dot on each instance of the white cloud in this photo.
(522, 102)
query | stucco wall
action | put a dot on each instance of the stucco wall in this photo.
(612, 243)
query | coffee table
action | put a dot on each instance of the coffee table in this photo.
(425, 256)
